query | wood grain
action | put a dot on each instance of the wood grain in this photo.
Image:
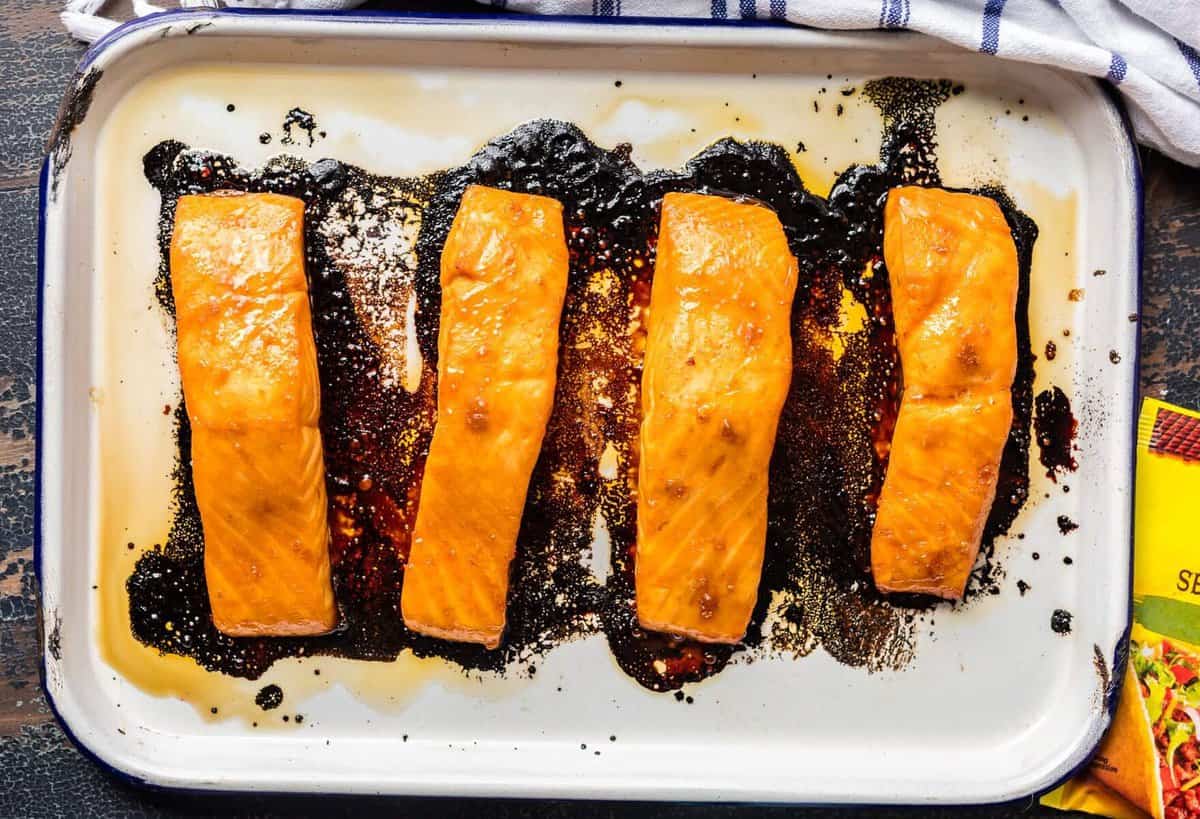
(43, 774)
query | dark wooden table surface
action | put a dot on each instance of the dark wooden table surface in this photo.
(42, 773)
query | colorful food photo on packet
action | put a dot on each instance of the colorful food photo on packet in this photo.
(1149, 761)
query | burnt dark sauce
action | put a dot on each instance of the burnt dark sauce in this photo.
(1055, 426)
(268, 698)
(826, 471)
(1060, 621)
(300, 120)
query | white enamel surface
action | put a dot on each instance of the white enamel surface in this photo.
(994, 705)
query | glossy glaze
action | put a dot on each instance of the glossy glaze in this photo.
(503, 280)
(954, 275)
(249, 371)
(716, 373)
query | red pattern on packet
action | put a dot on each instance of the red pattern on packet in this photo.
(1176, 434)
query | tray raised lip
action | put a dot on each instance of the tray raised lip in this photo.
(506, 27)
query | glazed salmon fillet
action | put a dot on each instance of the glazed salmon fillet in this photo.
(953, 269)
(249, 369)
(504, 279)
(717, 371)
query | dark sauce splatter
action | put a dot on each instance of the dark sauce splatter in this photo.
(270, 697)
(1023, 587)
(300, 120)
(1060, 621)
(1055, 428)
(830, 455)
(1114, 356)
(1066, 525)
(1051, 350)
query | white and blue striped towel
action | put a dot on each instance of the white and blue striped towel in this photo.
(1146, 48)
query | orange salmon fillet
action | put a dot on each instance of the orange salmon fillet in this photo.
(504, 279)
(249, 370)
(717, 370)
(953, 269)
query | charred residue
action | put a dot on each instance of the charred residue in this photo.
(268, 698)
(74, 109)
(297, 122)
(374, 241)
(1055, 428)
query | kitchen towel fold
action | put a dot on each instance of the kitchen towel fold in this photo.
(1146, 48)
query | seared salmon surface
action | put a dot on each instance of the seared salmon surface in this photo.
(504, 279)
(249, 369)
(717, 369)
(952, 265)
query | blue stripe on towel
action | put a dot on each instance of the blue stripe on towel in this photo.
(1192, 58)
(991, 26)
(1117, 69)
(893, 14)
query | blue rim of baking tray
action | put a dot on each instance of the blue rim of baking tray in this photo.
(1120, 651)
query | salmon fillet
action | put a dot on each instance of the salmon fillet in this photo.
(504, 279)
(249, 369)
(717, 371)
(953, 269)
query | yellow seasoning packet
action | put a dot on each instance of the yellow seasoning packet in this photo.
(1149, 761)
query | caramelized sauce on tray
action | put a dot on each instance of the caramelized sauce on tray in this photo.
(1056, 427)
(375, 242)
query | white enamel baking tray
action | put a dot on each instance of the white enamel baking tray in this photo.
(993, 706)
